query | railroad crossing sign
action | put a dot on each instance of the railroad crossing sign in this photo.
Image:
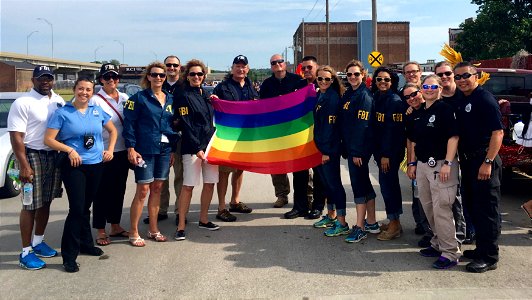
(375, 59)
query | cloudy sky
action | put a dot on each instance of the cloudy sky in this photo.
(213, 31)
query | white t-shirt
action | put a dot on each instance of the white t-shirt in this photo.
(525, 140)
(30, 114)
(122, 98)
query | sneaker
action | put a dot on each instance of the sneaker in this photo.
(372, 228)
(356, 235)
(280, 202)
(239, 208)
(225, 216)
(324, 222)
(180, 235)
(209, 226)
(444, 263)
(71, 267)
(429, 252)
(31, 262)
(337, 229)
(43, 250)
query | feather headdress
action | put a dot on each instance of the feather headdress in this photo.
(453, 57)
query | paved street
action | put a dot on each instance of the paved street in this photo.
(264, 256)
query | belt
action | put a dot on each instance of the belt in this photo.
(427, 160)
(473, 154)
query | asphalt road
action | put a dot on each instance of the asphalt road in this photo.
(263, 256)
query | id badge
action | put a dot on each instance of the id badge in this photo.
(88, 141)
(431, 162)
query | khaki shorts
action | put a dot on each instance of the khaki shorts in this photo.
(194, 169)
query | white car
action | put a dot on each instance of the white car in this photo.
(8, 188)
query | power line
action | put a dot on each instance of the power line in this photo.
(338, 1)
(312, 9)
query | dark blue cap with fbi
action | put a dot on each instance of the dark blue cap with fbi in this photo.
(41, 71)
(240, 59)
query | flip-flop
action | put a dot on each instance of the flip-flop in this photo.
(103, 241)
(527, 212)
(123, 233)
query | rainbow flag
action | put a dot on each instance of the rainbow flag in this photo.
(268, 136)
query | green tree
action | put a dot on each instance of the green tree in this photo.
(501, 28)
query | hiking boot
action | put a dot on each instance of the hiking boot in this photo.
(31, 262)
(444, 263)
(393, 231)
(225, 216)
(429, 252)
(281, 201)
(43, 250)
(337, 229)
(372, 228)
(239, 208)
(325, 222)
(356, 235)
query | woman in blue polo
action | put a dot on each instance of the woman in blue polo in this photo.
(76, 129)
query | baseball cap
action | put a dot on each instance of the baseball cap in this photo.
(106, 68)
(240, 59)
(42, 70)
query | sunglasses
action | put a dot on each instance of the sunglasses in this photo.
(385, 79)
(306, 68)
(160, 75)
(430, 86)
(274, 62)
(110, 76)
(327, 79)
(448, 74)
(172, 65)
(464, 76)
(411, 95)
(192, 74)
(351, 74)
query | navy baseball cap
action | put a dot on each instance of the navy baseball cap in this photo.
(41, 71)
(240, 59)
(106, 68)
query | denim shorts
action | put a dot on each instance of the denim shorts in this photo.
(157, 166)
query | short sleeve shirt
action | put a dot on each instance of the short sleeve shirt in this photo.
(118, 107)
(30, 114)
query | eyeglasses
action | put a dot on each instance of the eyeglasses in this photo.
(412, 95)
(110, 76)
(172, 65)
(385, 79)
(274, 62)
(411, 72)
(306, 68)
(464, 76)
(160, 75)
(448, 74)
(192, 74)
(430, 86)
(325, 78)
(351, 74)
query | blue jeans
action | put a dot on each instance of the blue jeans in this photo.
(332, 184)
(390, 188)
(157, 166)
(360, 183)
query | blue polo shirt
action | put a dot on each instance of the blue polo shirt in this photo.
(73, 126)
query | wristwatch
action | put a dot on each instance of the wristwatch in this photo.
(488, 161)
(447, 162)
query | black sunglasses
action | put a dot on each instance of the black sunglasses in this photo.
(412, 95)
(325, 78)
(160, 75)
(274, 62)
(172, 65)
(448, 74)
(192, 74)
(306, 68)
(464, 76)
(110, 76)
(386, 79)
(351, 74)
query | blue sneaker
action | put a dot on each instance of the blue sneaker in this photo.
(444, 263)
(43, 250)
(31, 262)
(337, 229)
(324, 222)
(372, 228)
(356, 235)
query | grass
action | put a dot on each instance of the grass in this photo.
(67, 94)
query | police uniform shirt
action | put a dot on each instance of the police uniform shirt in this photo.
(478, 116)
(453, 100)
(432, 131)
(411, 119)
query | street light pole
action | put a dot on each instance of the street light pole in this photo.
(28, 42)
(52, 27)
(96, 50)
(122, 50)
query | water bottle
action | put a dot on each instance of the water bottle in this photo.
(14, 173)
(141, 163)
(27, 193)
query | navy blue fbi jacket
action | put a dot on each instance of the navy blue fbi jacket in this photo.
(326, 131)
(389, 128)
(231, 90)
(195, 114)
(145, 121)
(355, 122)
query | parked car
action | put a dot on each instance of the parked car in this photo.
(8, 188)
(128, 88)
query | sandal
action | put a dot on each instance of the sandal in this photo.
(157, 236)
(103, 241)
(123, 233)
(136, 241)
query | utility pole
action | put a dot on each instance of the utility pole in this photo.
(303, 41)
(327, 21)
(374, 23)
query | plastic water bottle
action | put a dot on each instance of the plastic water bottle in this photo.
(141, 163)
(27, 193)
(14, 173)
